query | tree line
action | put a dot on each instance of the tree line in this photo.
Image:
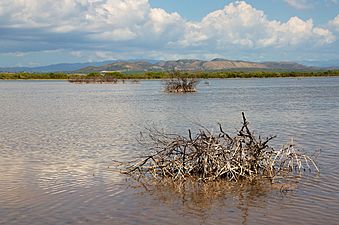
(167, 75)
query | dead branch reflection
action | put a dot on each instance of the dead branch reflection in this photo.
(204, 198)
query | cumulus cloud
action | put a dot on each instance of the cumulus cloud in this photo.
(109, 20)
(239, 24)
(335, 23)
(35, 13)
(134, 27)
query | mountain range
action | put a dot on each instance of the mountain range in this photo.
(61, 67)
(194, 65)
(160, 65)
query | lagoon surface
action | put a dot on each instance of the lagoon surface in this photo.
(58, 142)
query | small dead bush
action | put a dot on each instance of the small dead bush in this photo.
(181, 83)
(211, 156)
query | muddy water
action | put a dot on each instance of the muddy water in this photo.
(58, 142)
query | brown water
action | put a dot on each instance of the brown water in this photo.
(58, 142)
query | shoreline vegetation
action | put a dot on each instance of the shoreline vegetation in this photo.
(165, 75)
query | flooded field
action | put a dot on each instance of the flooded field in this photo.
(58, 142)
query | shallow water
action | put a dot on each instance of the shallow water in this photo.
(58, 142)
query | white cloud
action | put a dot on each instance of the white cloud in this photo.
(239, 24)
(135, 28)
(16, 54)
(159, 19)
(35, 13)
(335, 23)
(109, 20)
(327, 36)
(299, 4)
(119, 34)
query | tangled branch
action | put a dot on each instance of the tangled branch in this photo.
(180, 82)
(208, 156)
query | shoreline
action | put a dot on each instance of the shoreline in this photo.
(166, 75)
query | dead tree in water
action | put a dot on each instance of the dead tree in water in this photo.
(181, 82)
(208, 156)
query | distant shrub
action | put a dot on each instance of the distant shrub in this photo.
(181, 82)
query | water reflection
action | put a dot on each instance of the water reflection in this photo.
(58, 141)
(202, 199)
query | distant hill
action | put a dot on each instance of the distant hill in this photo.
(287, 66)
(61, 67)
(325, 63)
(160, 65)
(119, 66)
(194, 65)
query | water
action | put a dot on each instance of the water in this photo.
(58, 142)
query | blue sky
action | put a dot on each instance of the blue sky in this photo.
(35, 32)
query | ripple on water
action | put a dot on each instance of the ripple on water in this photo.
(58, 141)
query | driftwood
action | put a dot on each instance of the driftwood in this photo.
(207, 156)
(180, 83)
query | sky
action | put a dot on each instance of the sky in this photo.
(43, 32)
